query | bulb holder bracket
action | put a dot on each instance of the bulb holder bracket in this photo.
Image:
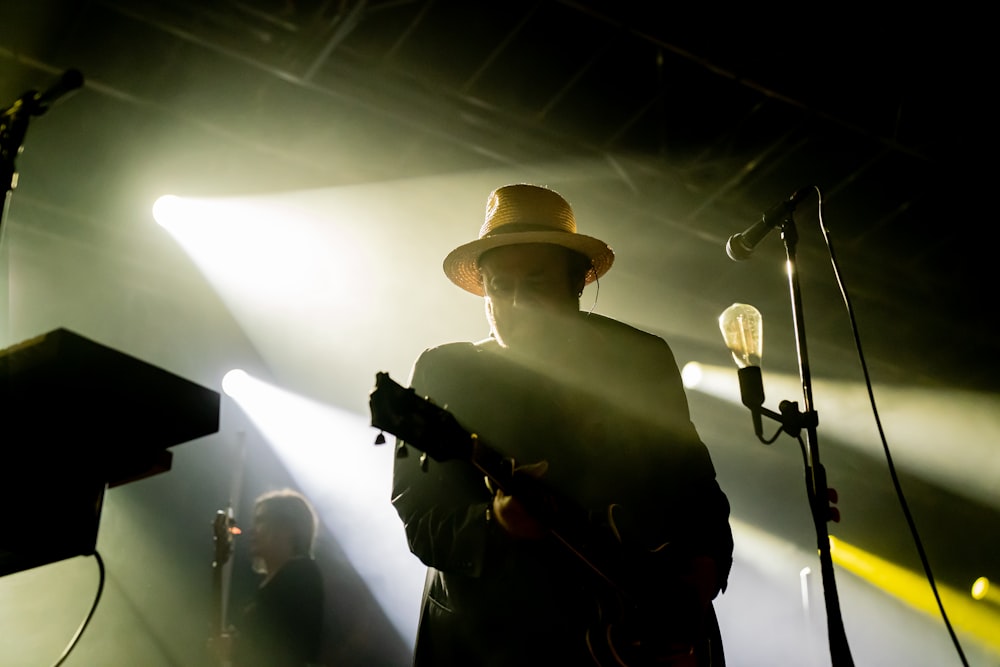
(751, 387)
(752, 395)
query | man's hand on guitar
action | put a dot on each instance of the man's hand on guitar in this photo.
(513, 516)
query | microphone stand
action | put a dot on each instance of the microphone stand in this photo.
(13, 126)
(820, 495)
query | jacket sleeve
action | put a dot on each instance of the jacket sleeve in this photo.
(700, 508)
(444, 506)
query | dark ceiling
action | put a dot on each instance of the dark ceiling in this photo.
(702, 119)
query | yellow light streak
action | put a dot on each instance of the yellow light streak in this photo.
(964, 612)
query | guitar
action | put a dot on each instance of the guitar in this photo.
(638, 622)
(223, 530)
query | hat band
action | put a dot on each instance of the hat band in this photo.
(517, 227)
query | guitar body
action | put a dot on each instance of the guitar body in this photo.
(617, 640)
(650, 619)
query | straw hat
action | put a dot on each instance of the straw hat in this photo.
(523, 213)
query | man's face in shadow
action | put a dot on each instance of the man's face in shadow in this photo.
(529, 295)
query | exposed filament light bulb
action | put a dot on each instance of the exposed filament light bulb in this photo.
(742, 328)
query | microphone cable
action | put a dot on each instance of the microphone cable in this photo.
(925, 562)
(86, 621)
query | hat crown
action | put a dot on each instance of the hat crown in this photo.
(524, 214)
(526, 208)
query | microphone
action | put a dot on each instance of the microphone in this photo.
(70, 80)
(740, 246)
(35, 103)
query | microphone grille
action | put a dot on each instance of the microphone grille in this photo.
(737, 249)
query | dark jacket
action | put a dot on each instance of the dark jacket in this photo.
(282, 625)
(612, 420)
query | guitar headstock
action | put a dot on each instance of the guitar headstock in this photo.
(418, 421)
(223, 530)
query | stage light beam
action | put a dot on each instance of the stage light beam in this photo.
(691, 374)
(331, 455)
(912, 589)
(236, 381)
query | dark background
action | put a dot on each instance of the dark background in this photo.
(669, 128)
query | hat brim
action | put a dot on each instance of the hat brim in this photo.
(462, 264)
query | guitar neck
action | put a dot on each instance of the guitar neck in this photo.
(437, 433)
(567, 522)
(545, 504)
(222, 536)
(218, 613)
